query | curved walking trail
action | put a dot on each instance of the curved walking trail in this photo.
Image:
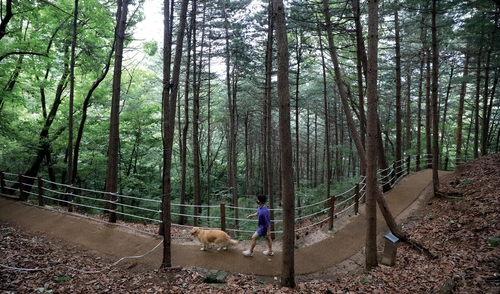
(118, 242)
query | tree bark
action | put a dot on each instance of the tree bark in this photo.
(114, 125)
(476, 102)
(485, 116)
(6, 18)
(169, 95)
(231, 81)
(435, 109)
(69, 179)
(461, 102)
(286, 157)
(183, 133)
(399, 119)
(328, 155)
(361, 69)
(372, 125)
(350, 121)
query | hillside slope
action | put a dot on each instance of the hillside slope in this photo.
(459, 230)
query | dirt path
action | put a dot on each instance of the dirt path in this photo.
(116, 241)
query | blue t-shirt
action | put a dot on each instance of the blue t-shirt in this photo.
(264, 220)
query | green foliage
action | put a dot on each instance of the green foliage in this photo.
(30, 83)
(62, 279)
(150, 47)
(494, 241)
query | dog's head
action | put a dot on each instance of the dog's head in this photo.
(195, 231)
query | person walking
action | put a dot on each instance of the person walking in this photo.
(264, 227)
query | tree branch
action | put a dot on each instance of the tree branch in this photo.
(22, 53)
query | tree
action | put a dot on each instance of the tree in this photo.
(435, 110)
(69, 180)
(169, 100)
(398, 94)
(114, 125)
(372, 132)
(6, 18)
(286, 158)
(460, 113)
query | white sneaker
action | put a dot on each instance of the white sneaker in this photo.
(248, 253)
(268, 252)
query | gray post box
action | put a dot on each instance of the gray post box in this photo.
(390, 249)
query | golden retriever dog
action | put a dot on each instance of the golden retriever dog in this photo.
(218, 237)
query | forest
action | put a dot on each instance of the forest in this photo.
(236, 100)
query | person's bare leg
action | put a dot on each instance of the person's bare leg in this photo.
(270, 243)
(252, 245)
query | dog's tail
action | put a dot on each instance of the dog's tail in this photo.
(233, 242)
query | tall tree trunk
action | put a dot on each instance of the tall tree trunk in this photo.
(268, 127)
(69, 180)
(350, 121)
(428, 111)
(477, 102)
(44, 139)
(169, 106)
(485, 116)
(168, 19)
(371, 154)
(328, 156)
(114, 124)
(298, 53)
(196, 106)
(183, 131)
(419, 109)
(231, 77)
(85, 106)
(435, 110)
(445, 111)
(461, 102)
(399, 119)
(286, 157)
(408, 125)
(209, 129)
(361, 66)
(338, 79)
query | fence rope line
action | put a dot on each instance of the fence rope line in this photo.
(152, 206)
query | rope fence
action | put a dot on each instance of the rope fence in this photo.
(221, 216)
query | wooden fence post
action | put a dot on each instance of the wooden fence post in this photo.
(223, 216)
(394, 173)
(40, 191)
(69, 198)
(2, 182)
(418, 163)
(331, 212)
(21, 188)
(356, 198)
(408, 162)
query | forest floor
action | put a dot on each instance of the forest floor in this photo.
(457, 232)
